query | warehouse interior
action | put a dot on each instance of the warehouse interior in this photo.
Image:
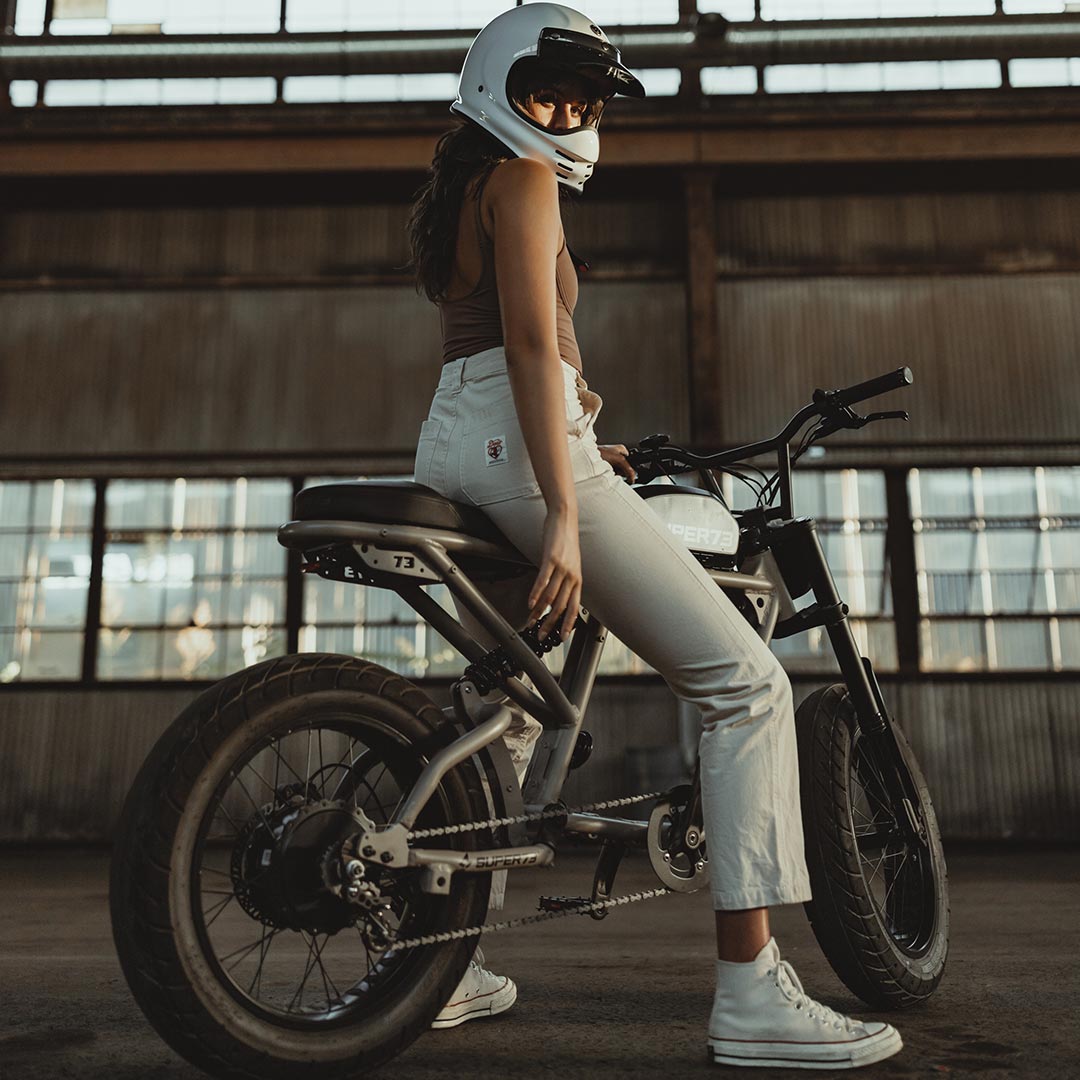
(206, 307)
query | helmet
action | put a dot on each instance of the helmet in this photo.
(527, 48)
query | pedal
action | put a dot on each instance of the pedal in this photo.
(563, 903)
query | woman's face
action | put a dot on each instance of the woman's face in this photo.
(560, 106)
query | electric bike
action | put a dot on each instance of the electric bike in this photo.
(303, 865)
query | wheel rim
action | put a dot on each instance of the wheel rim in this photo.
(898, 873)
(277, 941)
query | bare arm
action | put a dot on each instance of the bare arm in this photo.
(527, 228)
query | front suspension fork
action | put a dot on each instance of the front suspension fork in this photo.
(797, 549)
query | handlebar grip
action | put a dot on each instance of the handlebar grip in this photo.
(872, 387)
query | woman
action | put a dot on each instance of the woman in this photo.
(511, 430)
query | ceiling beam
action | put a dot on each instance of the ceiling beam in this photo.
(817, 142)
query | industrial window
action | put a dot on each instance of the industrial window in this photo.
(779, 10)
(45, 528)
(150, 16)
(193, 579)
(998, 559)
(850, 78)
(194, 584)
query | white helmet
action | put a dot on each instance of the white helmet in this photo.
(508, 53)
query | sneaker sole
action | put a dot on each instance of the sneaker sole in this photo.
(491, 1005)
(787, 1056)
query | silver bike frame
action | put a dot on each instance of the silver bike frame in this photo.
(404, 558)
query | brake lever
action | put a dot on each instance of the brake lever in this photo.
(898, 414)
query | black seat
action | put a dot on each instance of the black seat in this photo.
(393, 502)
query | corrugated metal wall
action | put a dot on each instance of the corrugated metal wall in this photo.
(304, 370)
(978, 292)
(1001, 759)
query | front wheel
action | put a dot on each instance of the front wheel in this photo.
(880, 907)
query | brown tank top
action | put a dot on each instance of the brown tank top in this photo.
(473, 322)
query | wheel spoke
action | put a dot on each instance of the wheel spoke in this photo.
(245, 950)
(218, 908)
(327, 981)
(281, 761)
(322, 775)
(307, 971)
(264, 947)
(258, 809)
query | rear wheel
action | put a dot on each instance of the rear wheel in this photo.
(228, 929)
(880, 907)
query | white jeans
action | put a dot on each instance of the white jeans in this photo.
(647, 588)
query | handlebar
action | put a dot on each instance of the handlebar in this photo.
(881, 384)
(652, 454)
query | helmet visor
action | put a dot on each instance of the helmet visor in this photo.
(556, 98)
(591, 57)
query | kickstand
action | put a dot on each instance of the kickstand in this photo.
(611, 853)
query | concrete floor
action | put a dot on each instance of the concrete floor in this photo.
(628, 997)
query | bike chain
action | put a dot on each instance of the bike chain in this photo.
(528, 920)
(542, 815)
(543, 916)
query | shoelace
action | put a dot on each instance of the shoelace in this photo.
(801, 1000)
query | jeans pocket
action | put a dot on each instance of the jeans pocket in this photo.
(494, 463)
(426, 468)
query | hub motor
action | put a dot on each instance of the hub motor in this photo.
(277, 865)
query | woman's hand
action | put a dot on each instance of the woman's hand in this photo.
(559, 580)
(615, 456)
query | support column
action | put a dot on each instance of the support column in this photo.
(701, 338)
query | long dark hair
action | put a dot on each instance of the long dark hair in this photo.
(464, 152)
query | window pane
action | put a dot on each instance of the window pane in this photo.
(1021, 644)
(14, 504)
(941, 493)
(62, 504)
(857, 561)
(1016, 583)
(38, 654)
(1008, 493)
(1069, 634)
(144, 504)
(44, 576)
(1062, 489)
(193, 580)
(948, 572)
(953, 645)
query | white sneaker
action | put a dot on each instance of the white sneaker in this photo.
(762, 1016)
(480, 993)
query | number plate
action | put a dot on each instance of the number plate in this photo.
(406, 563)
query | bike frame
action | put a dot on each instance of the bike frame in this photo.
(785, 560)
(404, 558)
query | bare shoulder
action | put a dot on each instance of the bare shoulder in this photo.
(522, 180)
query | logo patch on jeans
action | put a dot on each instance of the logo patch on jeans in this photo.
(495, 450)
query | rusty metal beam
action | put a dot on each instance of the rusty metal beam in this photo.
(704, 144)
